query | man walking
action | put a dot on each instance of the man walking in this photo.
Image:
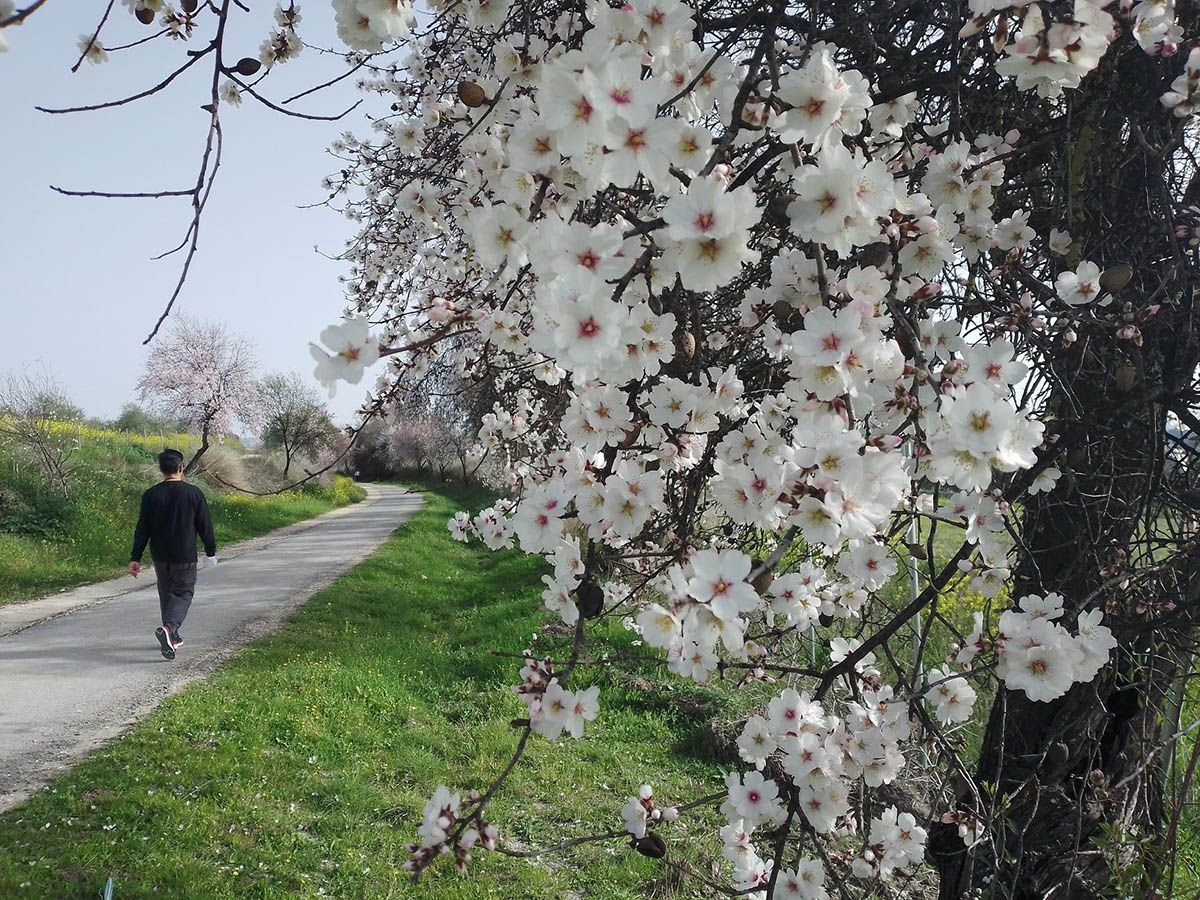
(173, 514)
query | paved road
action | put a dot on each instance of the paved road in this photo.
(78, 669)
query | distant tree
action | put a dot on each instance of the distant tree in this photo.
(370, 458)
(138, 420)
(33, 410)
(295, 419)
(202, 374)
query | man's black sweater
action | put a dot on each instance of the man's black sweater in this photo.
(173, 514)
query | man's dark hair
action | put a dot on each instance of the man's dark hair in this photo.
(170, 461)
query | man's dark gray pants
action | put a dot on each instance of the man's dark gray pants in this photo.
(176, 584)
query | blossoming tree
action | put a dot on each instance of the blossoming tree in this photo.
(771, 295)
(204, 375)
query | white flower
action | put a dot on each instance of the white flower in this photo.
(354, 350)
(1095, 642)
(658, 626)
(868, 564)
(1060, 242)
(634, 815)
(618, 89)
(719, 580)
(839, 200)
(805, 882)
(898, 840)
(1046, 480)
(952, 694)
(460, 526)
(587, 324)
(582, 708)
(754, 798)
(822, 100)
(230, 93)
(823, 801)
(1081, 286)
(756, 742)
(1014, 232)
(707, 210)
(369, 24)
(91, 48)
(499, 232)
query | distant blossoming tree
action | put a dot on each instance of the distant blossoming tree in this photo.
(766, 297)
(203, 374)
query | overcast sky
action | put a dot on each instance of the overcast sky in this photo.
(77, 288)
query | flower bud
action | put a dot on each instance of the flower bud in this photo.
(1130, 333)
(145, 15)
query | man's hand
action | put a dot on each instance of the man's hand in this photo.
(134, 568)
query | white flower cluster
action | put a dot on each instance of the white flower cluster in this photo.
(1049, 56)
(1183, 98)
(441, 832)
(370, 24)
(821, 752)
(1039, 656)
(640, 812)
(952, 695)
(751, 871)
(895, 841)
(282, 44)
(552, 708)
(701, 340)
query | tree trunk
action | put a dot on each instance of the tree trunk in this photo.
(195, 460)
(1059, 777)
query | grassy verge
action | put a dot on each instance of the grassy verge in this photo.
(300, 769)
(48, 541)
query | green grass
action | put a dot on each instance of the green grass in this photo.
(300, 769)
(48, 542)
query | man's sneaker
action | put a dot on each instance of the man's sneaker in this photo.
(176, 639)
(163, 633)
